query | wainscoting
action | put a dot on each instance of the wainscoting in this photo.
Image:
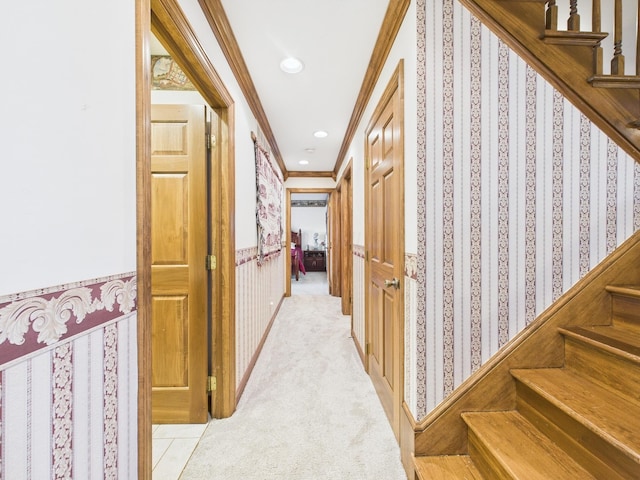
(68, 382)
(259, 291)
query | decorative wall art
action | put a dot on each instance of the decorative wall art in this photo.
(268, 205)
(167, 75)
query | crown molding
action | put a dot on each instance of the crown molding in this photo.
(217, 18)
(390, 26)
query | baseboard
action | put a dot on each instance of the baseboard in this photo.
(407, 441)
(358, 347)
(256, 354)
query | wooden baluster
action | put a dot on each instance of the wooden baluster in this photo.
(596, 26)
(596, 17)
(617, 62)
(552, 15)
(573, 24)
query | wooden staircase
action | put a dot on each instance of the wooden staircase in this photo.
(572, 59)
(578, 421)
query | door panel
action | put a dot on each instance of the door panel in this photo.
(178, 274)
(384, 244)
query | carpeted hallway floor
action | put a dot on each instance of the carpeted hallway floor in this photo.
(309, 411)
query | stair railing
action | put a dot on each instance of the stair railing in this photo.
(618, 22)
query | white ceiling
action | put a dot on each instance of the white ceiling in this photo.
(334, 39)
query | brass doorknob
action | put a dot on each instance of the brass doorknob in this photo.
(392, 283)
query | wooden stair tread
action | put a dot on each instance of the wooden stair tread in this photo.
(521, 448)
(446, 467)
(619, 341)
(607, 414)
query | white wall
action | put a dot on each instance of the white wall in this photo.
(68, 242)
(310, 220)
(67, 194)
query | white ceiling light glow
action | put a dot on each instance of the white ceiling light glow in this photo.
(291, 65)
(320, 134)
(304, 162)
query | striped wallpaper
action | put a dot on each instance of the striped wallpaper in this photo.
(68, 399)
(522, 196)
(259, 290)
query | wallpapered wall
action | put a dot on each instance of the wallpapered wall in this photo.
(259, 289)
(519, 195)
(68, 391)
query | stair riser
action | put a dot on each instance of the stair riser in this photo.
(618, 373)
(594, 453)
(484, 460)
(626, 311)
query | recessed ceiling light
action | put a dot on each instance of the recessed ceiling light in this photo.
(304, 162)
(291, 65)
(320, 134)
(310, 150)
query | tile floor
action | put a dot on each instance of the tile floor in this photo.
(172, 448)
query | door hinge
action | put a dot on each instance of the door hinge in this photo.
(366, 255)
(210, 262)
(211, 384)
(367, 348)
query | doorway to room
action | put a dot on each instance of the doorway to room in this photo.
(168, 23)
(307, 238)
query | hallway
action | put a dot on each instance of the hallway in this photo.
(309, 411)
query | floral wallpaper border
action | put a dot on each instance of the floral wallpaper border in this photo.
(35, 320)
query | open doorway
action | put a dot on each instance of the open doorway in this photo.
(309, 243)
(168, 23)
(310, 249)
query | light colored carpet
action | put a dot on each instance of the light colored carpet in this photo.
(313, 283)
(309, 411)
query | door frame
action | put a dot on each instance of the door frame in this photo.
(345, 185)
(396, 84)
(170, 25)
(288, 231)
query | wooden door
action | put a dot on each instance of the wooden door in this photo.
(384, 244)
(178, 270)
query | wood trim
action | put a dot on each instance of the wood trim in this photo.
(256, 355)
(346, 239)
(287, 263)
(492, 388)
(334, 265)
(390, 26)
(305, 174)
(143, 233)
(217, 18)
(172, 28)
(357, 345)
(223, 337)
